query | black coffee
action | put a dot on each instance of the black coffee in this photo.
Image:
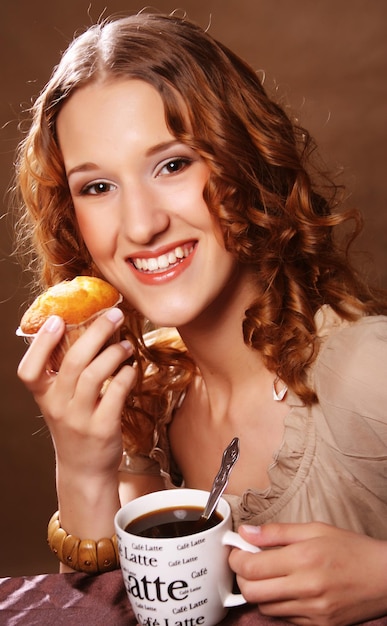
(172, 522)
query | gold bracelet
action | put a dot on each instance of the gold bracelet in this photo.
(83, 555)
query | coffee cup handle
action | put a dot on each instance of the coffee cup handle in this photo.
(230, 538)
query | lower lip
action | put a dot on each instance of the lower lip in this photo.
(159, 278)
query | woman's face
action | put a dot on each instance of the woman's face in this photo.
(138, 199)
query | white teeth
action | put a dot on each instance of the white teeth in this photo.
(163, 261)
(171, 258)
(152, 265)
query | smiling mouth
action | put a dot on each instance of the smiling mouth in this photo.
(164, 262)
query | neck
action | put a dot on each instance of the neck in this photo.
(227, 365)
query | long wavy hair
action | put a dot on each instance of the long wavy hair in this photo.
(275, 215)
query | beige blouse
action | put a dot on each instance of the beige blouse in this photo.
(332, 464)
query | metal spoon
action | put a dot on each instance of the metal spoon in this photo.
(230, 456)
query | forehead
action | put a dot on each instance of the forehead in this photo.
(125, 96)
(112, 111)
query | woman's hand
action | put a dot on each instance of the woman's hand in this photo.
(317, 574)
(85, 427)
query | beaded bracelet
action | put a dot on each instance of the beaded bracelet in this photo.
(83, 555)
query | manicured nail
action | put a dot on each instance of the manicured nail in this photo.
(126, 345)
(114, 315)
(249, 529)
(53, 323)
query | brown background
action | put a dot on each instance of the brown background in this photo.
(327, 58)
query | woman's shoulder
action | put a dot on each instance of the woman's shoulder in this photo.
(350, 371)
(352, 345)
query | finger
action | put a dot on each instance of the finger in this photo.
(270, 591)
(311, 612)
(292, 586)
(288, 611)
(88, 388)
(274, 562)
(270, 535)
(265, 565)
(117, 391)
(85, 349)
(32, 367)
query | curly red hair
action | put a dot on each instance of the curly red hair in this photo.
(274, 216)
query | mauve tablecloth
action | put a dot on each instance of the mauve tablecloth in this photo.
(78, 599)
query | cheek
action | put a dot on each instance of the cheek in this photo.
(97, 235)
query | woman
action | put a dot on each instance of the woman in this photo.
(156, 160)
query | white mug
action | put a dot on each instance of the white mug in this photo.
(178, 581)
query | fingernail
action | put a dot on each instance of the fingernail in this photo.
(53, 323)
(126, 345)
(114, 315)
(249, 529)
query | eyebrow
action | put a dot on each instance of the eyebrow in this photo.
(163, 145)
(89, 166)
(85, 167)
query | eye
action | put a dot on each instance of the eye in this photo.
(173, 166)
(96, 188)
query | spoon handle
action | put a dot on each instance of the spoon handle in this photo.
(230, 456)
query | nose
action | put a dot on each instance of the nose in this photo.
(144, 217)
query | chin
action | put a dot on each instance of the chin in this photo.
(168, 322)
(171, 318)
